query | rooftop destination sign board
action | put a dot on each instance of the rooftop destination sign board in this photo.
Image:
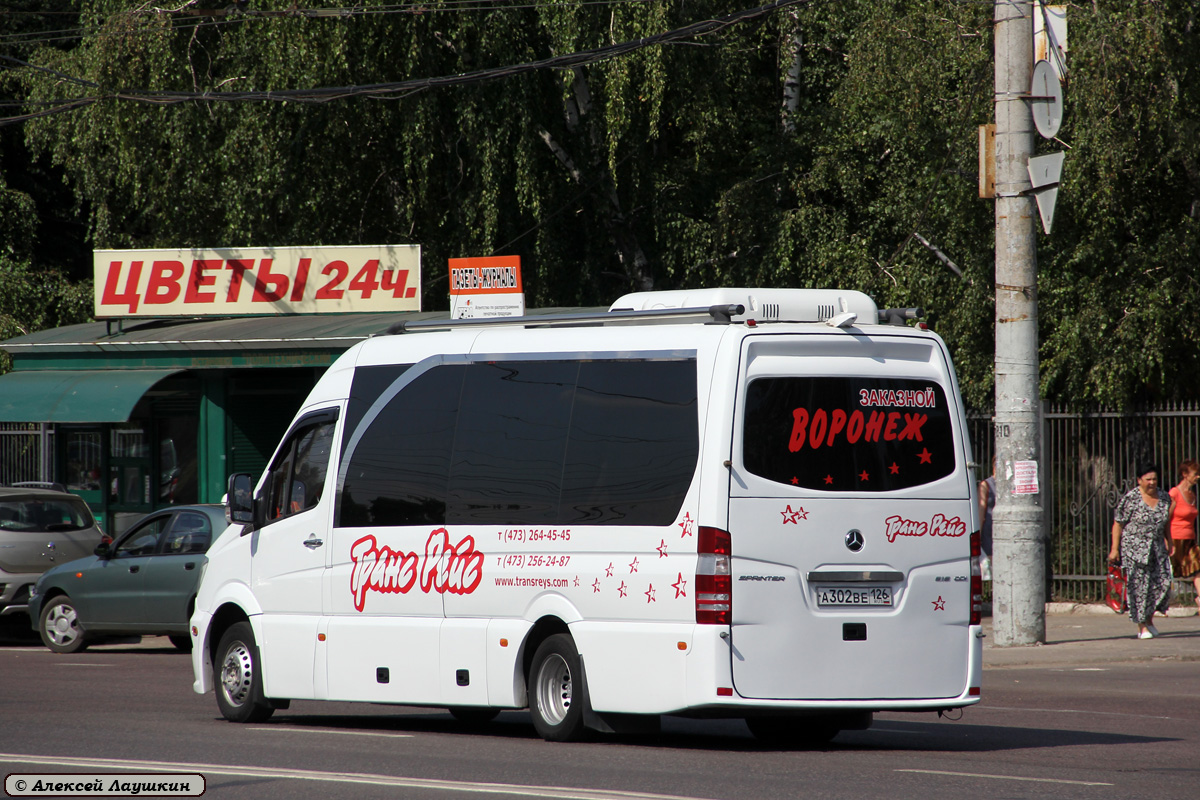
(240, 281)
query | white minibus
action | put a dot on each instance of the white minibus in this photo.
(749, 503)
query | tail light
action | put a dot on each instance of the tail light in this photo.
(714, 586)
(976, 580)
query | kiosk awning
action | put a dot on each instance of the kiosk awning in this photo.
(75, 395)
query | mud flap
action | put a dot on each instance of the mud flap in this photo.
(643, 724)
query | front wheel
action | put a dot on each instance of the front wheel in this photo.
(556, 690)
(237, 676)
(59, 626)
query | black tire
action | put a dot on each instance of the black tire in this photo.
(556, 691)
(237, 677)
(182, 643)
(59, 626)
(474, 715)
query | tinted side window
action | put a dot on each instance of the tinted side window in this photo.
(369, 383)
(848, 434)
(297, 477)
(633, 444)
(399, 470)
(512, 432)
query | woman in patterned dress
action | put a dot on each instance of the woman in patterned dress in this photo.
(1141, 543)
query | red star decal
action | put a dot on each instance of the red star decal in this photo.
(864, 476)
(795, 481)
(608, 570)
(939, 604)
(680, 587)
(650, 594)
(925, 456)
(788, 515)
(894, 468)
(828, 479)
(577, 580)
(595, 585)
(621, 589)
(662, 549)
(686, 525)
(801, 513)
(633, 565)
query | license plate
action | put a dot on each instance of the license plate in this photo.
(854, 596)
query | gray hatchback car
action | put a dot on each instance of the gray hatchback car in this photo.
(39, 528)
(144, 583)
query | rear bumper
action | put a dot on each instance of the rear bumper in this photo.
(14, 592)
(707, 676)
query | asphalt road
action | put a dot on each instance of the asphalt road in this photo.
(1122, 726)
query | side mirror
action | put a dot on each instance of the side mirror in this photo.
(103, 550)
(239, 500)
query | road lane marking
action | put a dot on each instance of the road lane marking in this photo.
(292, 729)
(1074, 711)
(1003, 777)
(553, 792)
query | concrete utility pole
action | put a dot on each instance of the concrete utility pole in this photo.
(1019, 546)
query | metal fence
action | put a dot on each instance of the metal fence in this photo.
(1087, 465)
(26, 452)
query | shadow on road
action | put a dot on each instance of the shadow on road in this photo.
(888, 734)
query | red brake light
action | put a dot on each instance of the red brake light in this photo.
(714, 586)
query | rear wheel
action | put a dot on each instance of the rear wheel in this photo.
(181, 643)
(555, 691)
(237, 675)
(59, 626)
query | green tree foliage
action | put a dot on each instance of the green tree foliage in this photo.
(816, 145)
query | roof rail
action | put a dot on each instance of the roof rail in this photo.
(720, 314)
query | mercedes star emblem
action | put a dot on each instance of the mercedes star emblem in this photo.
(854, 540)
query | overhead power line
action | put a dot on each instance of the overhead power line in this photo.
(401, 89)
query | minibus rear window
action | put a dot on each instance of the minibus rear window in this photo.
(847, 434)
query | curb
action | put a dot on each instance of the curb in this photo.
(1102, 609)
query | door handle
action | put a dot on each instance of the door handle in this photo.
(312, 542)
(134, 568)
(190, 565)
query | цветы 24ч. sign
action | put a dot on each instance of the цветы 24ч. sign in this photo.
(131, 283)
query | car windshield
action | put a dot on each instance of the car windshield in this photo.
(44, 514)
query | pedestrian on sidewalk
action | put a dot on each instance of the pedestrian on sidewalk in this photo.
(1185, 558)
(1142, 545)
(987, 502)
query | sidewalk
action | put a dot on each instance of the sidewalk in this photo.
(1092, 635)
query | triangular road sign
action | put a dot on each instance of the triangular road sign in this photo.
(1045, 202)
(1044, 174)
